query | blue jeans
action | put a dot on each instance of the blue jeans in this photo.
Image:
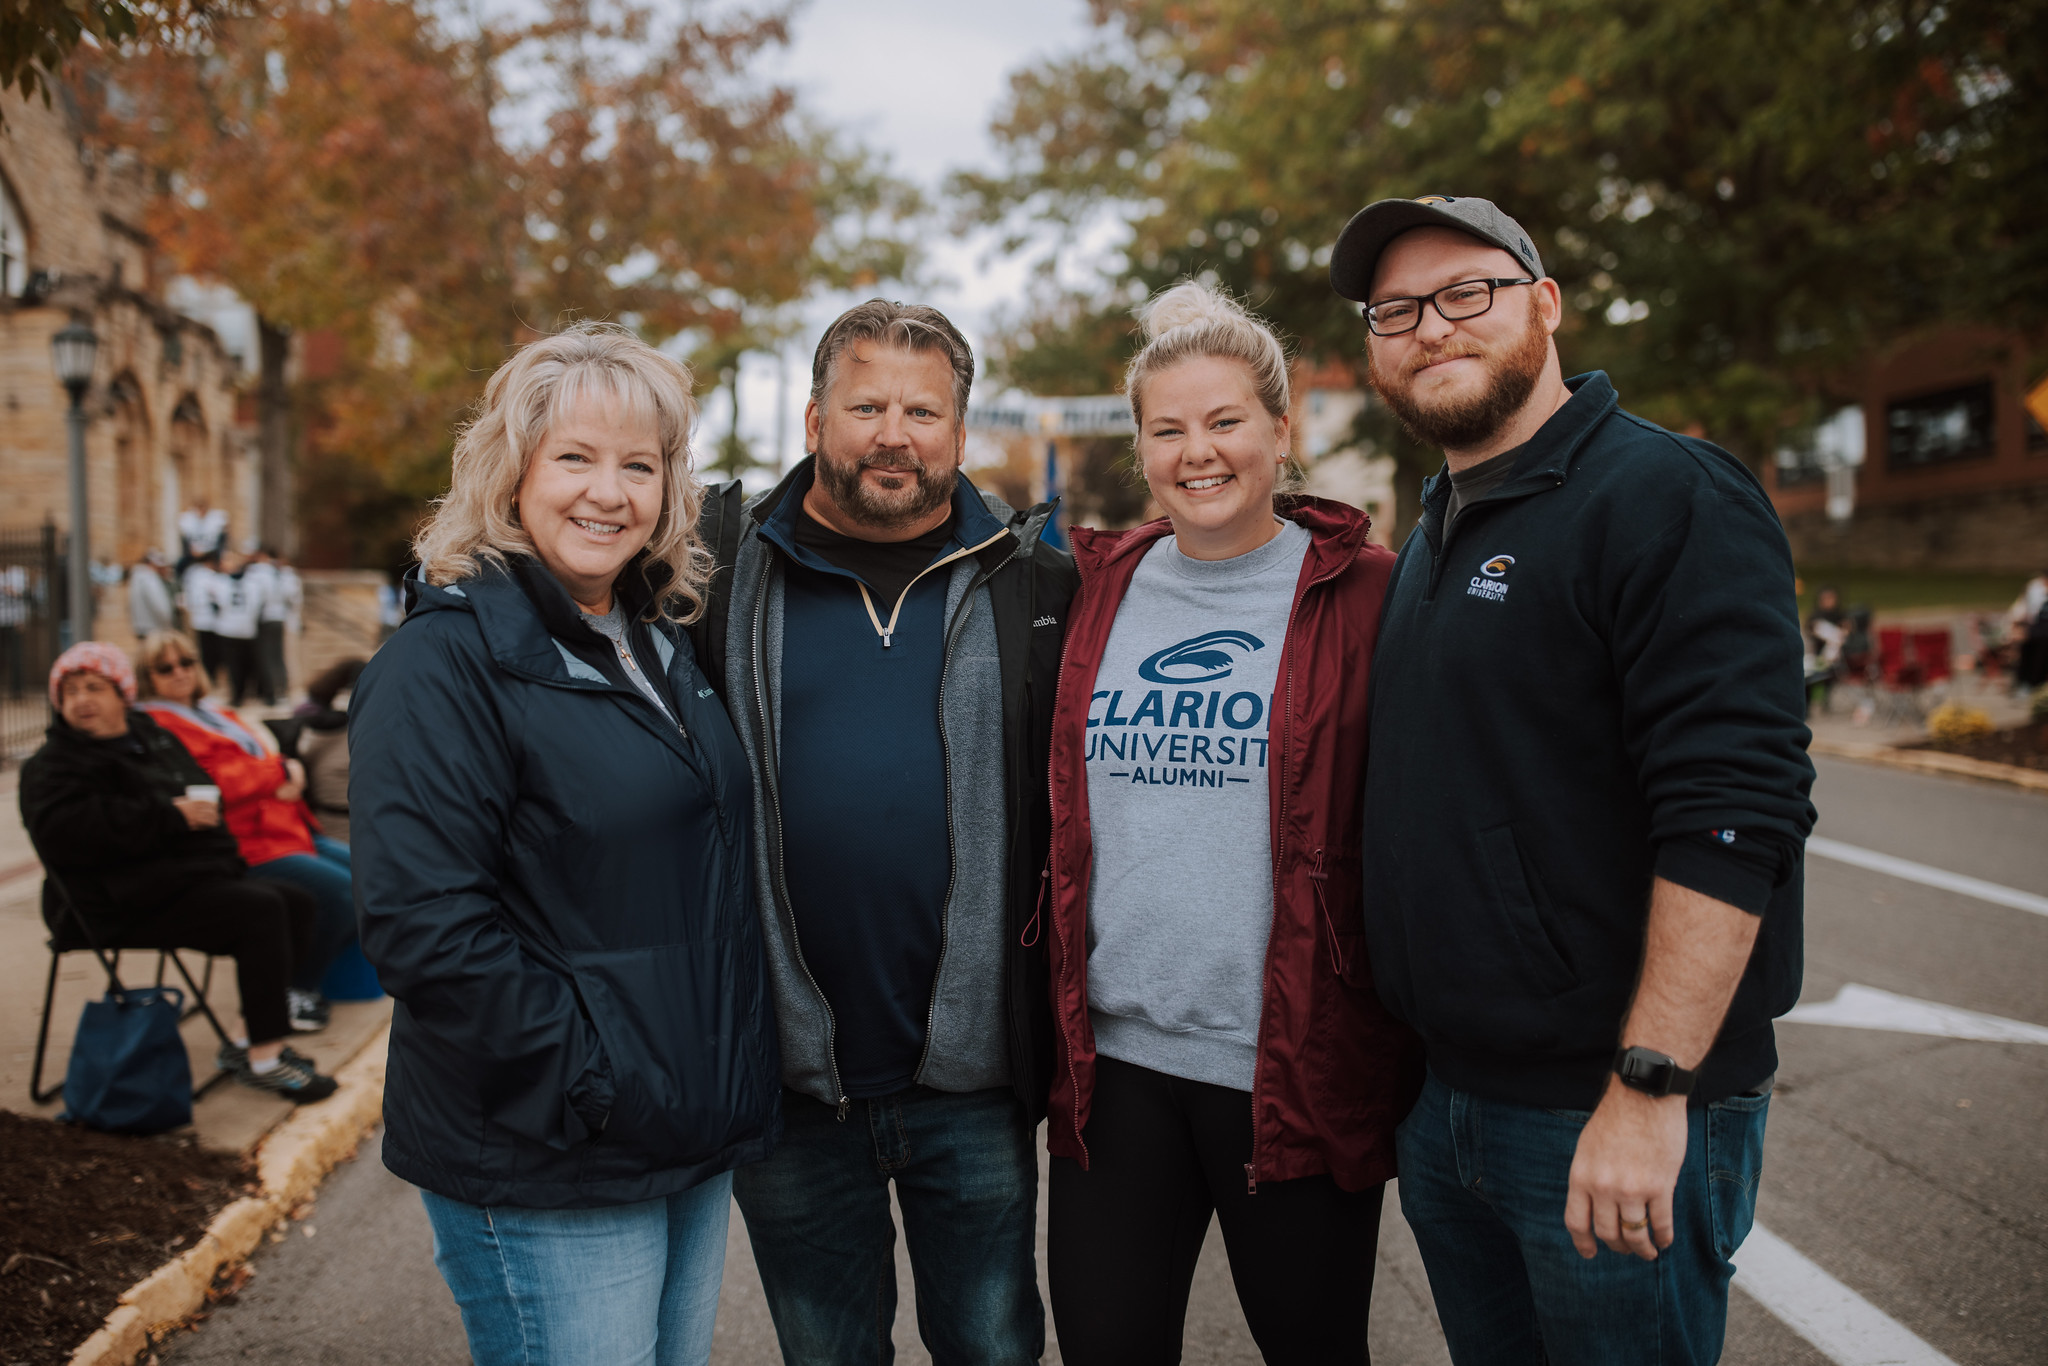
(632, 1285)
(325, 874)
(1483, 1184)
(966, 1173)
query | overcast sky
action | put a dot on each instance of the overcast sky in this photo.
(917, 80)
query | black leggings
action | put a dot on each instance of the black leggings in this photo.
(263, 926)
(1165, 1153)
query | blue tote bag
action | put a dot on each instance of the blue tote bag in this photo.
(129, 1073)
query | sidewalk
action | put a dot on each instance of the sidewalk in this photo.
(229, 1118)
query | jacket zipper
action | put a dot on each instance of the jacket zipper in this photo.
(960, 615)
(1251, 1168)
(1052, 802)
(777, 883)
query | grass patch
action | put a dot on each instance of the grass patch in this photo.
(1898, 590)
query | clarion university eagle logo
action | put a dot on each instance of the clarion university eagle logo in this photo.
(1490, 582)
(1203, 659)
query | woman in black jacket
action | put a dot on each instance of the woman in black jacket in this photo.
(128, 827)
(551, 830)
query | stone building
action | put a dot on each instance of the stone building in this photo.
(166, 414)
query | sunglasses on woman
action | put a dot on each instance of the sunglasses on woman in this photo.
(169, 666)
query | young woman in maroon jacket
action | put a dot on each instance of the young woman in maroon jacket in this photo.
(1222, 1050)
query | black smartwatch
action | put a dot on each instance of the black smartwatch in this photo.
(1652, 1073)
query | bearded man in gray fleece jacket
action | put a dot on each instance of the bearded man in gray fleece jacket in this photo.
(891, 643)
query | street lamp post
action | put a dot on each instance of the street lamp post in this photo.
(74, 349)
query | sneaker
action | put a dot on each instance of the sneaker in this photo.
(294, 1078)
(309, 1011)
(233, 1055)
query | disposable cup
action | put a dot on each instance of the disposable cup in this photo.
(204, 792)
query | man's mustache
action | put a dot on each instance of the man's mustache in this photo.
(1449, 351)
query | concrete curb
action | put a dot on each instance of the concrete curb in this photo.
(1934, 761)
(290, 1162)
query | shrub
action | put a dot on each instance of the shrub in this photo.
(2038, 710)
(1952, 721)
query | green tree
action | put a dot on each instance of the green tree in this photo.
(1740, 198)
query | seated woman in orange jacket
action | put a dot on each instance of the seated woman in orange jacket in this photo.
(263, 801)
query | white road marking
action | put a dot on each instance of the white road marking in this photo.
(1926, 876)
(1861, 1007)
(1848, 1329)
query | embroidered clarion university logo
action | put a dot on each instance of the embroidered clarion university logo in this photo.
(1491, 580)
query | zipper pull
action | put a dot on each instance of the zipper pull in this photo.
(1029, 939)
(885, 638)
(1251, 1180)
(844, 1104)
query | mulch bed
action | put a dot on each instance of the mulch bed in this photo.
(2024, 746)
(84, 1216)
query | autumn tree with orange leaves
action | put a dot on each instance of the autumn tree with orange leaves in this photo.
(421, 200)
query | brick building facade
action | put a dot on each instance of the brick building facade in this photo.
(165, 411)
(1954, 472)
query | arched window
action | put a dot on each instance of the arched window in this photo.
(13, 244)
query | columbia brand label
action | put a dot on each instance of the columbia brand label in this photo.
(1046, 621)
(1491, 580)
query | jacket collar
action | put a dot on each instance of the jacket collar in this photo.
(522, 610)
(1336, 531)
(978, 518)
(1547, 457)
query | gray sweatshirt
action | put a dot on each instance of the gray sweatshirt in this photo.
(1180, 899)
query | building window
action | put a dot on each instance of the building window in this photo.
(1938, 428)
(13, 245)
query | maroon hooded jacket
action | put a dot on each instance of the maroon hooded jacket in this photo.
(1335, 1071)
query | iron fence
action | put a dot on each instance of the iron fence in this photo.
(32, 633)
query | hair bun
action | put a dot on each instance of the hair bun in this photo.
(1188, 304)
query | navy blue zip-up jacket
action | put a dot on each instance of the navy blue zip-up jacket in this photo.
(555, 882)
(1596, 680)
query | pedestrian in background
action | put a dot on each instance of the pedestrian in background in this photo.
(150, 608)
(550, 813)
(280, 596)
(891, 655)
(263, 800)
(202, 610)
(121, 816)
(1585, 812)
(202, 533)
(237, 591)
(1223, 1048)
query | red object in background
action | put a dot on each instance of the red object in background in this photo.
(1898, 672)
(1932, 652)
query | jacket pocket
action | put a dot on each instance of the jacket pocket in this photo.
(1520, 915)
(683, 1030)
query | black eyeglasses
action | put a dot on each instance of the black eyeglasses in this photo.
(1453, 303)
(169, 666)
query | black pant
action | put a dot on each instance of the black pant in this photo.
(1164, 1154)
(270, 668)
(263, 926)
(238, 657)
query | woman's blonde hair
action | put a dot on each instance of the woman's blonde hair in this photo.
(153, 646)
(1193, 320)
(478, 519)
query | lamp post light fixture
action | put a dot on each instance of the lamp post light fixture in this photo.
(74, 349)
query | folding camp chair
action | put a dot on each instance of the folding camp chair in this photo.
(70, 935)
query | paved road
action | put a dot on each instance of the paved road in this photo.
(1911, 1168)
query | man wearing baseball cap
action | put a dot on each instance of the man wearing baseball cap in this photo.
(1585, 815)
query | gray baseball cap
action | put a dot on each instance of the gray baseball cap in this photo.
(1370, 230)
